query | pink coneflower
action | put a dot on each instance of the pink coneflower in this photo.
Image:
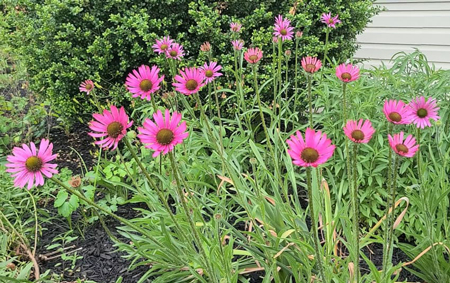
(29, 164)
(112, 125)
(164, 134)
(237, 44)
(314, 150)
(407, 148)
(359, 132)
(235, 27)
(347, 73)
(397, 112)
(144, 81)
(253, 55)
(162, 45)
(282, 28)
(422, 111)
(189, 81)
(330, 21)
(211, 71)
(205, 47)
(87, 86)
(175, 51)
(311, 64)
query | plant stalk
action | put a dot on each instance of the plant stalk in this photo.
(355, 205)
(314, 224)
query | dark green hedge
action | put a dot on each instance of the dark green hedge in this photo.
(67, 41)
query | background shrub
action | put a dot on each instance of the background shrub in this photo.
(66, 41)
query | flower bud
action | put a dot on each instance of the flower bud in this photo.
(75, 182)
(205, 47)
(131, 134)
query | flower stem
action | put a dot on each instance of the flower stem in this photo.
(286, 78)
(155, 108)
(326, 46)
(310, 100)
(296, 74)
(347, 150)
(266, 132)
(344, 102)
(209, 100)
(36, 225)
(274, 75)
(389, 228)
(182, 199)
(389, 184)
(314, 224)
(355, 205)
(203, 115)
(280, 85)
(153, 185)
(419, 157)
(222, 149)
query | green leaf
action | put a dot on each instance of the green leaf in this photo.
(61, 198)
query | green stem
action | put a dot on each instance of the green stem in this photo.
(389, 184)
(238, 82)
(287, 78)
(344, 101)
(97, 103)
(35, 223)
(266, 132)
(222, 149)
(153, 185)
(355, 205)
(326, 46)
(419, 157)
(188, 215)
(133, 180)
(296, 74)
(347, 150)
(310, 100)
(388, 244)
(209, 100)
(155, 108)
(280, 85)
(274, 75)
(314, 223)
(203, 115)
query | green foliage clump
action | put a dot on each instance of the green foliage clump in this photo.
(66, 42)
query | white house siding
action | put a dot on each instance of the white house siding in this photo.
(405, 25)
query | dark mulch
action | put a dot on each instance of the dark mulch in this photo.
(375, 253)
(101, 262)
(68, 146)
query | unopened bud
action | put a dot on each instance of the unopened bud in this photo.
(75, 181)
(131, 134)
(205, 47)
(298, 34)
(11, 266)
